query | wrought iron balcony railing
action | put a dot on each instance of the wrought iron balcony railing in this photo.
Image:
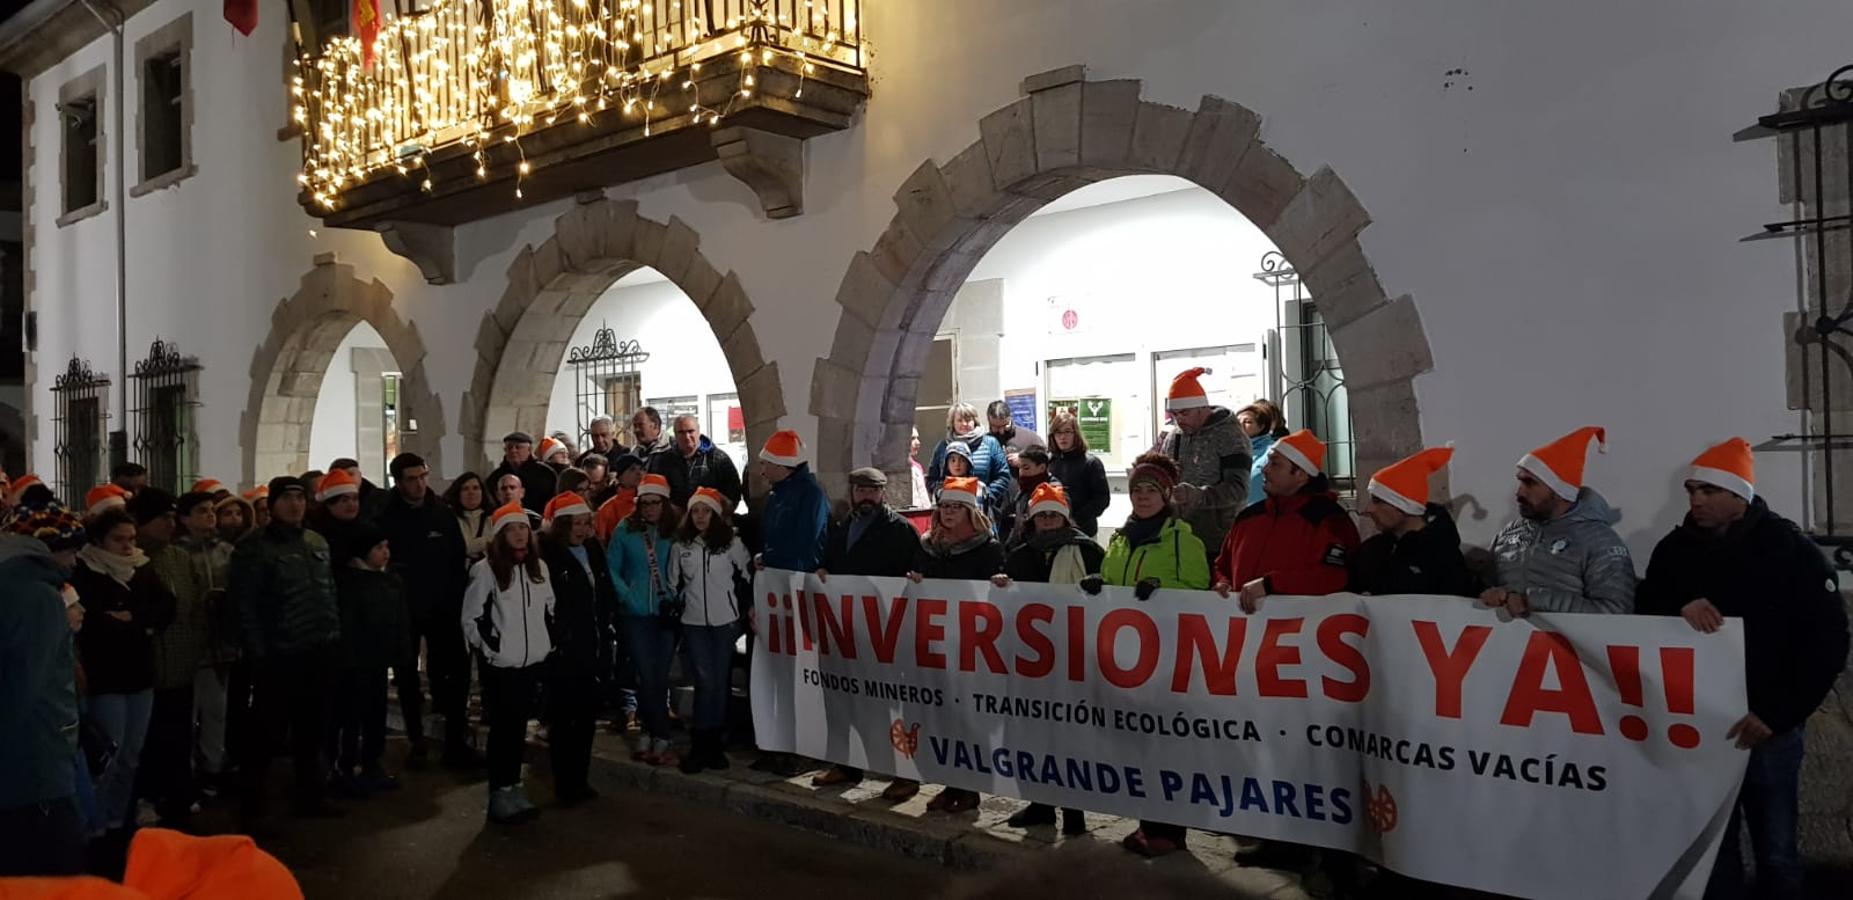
(474, 77)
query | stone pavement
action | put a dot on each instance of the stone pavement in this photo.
(857, 815)
(1827, 794)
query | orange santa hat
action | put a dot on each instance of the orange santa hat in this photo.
(960, 490)
(104, 496)
(511, 513)
(1303, 449)
(1559, 463)
(1729, 465)
(549, 446)
(335, 484)
(1187, 391)
(1404, 483)
(567, 504)
(1049, 497)
(207, 486)
(783, 448)
(711, 498)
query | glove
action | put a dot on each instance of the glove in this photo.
(1092, 584)
(1145, 588)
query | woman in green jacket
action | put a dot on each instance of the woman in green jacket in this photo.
(1154, 549)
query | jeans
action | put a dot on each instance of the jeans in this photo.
(572, 713)
(653, 649)
(167, 758)
(211, 687)
(124, 717)
(360, 720)
(1769, 803)
(42, 839)
(710, 655)
(292, 696)
(508, 704)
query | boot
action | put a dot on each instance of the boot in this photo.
(504, 806)
(717, 751)
(460, 745)
(527, 808)
(697, 758)
(1074, 822)
(1032, 815)
(419, 756)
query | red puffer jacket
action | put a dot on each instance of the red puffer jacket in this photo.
(1301, 544)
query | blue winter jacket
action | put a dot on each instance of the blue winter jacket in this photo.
(1259, 447)
(796, 517)
(629, 561)
(989, 465)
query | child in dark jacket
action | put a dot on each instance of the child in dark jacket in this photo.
(374, 632)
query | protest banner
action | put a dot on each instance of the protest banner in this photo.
(1553, 756)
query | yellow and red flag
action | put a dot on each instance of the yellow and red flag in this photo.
(367, 27)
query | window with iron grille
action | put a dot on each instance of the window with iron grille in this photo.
(166, 407)
(606, 381)
(81, 395)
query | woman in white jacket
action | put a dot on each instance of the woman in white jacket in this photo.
(710, 563)
(507, 611)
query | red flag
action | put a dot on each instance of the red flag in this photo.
(242, 14)
(367, 26)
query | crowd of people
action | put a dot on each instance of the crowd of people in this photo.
(162, 644)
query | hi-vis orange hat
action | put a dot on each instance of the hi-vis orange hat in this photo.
(1303, 449)
(1729, 465)
(960, 490)
(1559, 463)
(1187, 391)
(1404, 483)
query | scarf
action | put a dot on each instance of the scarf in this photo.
(121, 568)
(948, 549)
(1067, 567)
(1140, 532)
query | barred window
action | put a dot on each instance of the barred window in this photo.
(166, 410)
(82, 398)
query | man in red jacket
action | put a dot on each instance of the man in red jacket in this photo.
(1297, 540)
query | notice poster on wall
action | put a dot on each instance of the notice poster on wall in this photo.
(1022, 403)
(1093, 415)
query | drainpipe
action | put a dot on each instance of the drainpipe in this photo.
(111, 18)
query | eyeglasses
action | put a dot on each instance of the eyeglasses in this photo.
(952, 505)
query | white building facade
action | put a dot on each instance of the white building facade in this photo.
(1516, 219)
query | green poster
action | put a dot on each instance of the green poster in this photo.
(1095, 417)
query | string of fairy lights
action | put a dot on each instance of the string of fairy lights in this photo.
(486, 74)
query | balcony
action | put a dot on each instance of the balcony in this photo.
(469, 109)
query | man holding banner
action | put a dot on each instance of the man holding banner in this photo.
(1562, 555)
(1734, 557)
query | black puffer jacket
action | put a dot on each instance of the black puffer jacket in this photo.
(886, 548)
(1428, 561)
(284, 586)
(1085, 479)
(374, 629)
(538, 481)
(977, 559)
(428, 553)
(583, 605)
(1766, 572)
(118, 656)
(1030, 562)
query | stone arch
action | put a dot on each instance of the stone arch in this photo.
(522, 342)
(1064, 133)
(287, 370)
